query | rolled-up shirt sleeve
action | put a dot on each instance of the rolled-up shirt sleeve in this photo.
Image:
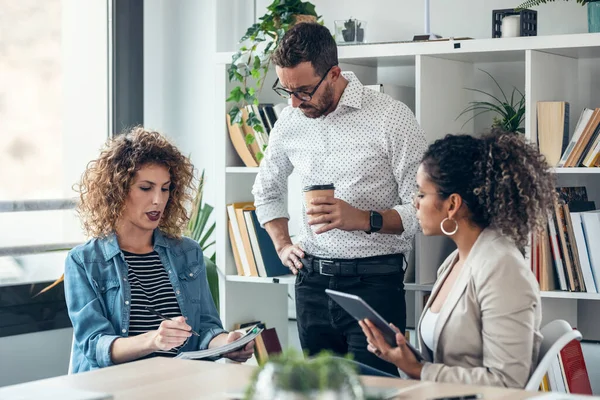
(271, 184)
(92, 330)
(406, 145)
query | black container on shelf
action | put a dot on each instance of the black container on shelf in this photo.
(528, 21)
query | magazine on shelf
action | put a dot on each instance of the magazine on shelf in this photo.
(217, 352)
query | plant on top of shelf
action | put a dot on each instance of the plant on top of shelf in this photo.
(291, 376)
(511, 112)
(250, 64)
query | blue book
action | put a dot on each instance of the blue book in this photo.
(267, 261)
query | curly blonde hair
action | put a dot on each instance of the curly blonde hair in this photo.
(505, 182)
(105, 184)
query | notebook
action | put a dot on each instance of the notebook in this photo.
(217, 352)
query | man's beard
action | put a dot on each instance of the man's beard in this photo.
(322, 106)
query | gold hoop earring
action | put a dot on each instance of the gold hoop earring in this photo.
(444, 230)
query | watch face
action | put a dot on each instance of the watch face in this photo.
(376, 221)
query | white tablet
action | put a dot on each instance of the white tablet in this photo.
(360, 310)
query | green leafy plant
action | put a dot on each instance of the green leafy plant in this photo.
(511, 113)
(535, 3)
(250, 64)
(308, 378)
(199, 230)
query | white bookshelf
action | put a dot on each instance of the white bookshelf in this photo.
(562, 67)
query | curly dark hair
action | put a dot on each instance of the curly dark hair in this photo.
(307, 41)
(505, 182)
(106, 182)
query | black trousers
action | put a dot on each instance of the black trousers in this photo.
(324, 325)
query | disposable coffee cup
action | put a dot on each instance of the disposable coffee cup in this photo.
(313, 191)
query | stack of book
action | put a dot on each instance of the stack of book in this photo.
(568, 373)
(248, 150)
(253, 249)
(583, 150)
(564, 257)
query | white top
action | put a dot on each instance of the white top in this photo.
(369, 147)
(427, 328)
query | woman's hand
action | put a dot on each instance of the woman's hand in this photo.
(243, 354)
(171, 333)
(400, 356)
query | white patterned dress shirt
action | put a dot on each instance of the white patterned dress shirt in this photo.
(369, 147)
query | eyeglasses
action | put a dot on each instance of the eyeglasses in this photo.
(300, 95)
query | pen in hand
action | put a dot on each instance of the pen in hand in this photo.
(153, 311)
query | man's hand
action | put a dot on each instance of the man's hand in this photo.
(290, 256)
(336, 214)
(243, 354)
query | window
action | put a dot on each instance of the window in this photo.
(54, 117)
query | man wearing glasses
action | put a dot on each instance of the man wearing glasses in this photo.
(368, 146)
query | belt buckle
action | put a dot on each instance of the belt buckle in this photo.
(325, 262)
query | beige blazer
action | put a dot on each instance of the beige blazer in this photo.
(488, 329)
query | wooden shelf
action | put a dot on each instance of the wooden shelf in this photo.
(241, 170)
(578, 170)
(284, 279)
(557, 294)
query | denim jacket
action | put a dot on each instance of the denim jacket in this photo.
(98, 295)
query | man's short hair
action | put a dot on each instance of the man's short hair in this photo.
(307, 42)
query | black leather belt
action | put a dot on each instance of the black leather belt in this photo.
(378, 265)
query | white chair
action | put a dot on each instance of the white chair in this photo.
(557, 334)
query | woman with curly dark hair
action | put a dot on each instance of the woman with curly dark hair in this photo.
(133, 204)
(481, 324)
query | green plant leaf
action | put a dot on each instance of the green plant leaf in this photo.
(252, 119)
(235, 57)
(255, 73)
(249, 139)
(236, 115)
(250, 32)
(497, 84)
(486, 93)
(236, 94)
(259, 156)
(258, 128)
(257, 62)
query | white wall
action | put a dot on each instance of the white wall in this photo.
(393, 20)
(179, 44)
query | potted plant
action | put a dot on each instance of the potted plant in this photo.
(250, 64)
(291, 376)
(511, 113)
(592, 5)
(349, 31)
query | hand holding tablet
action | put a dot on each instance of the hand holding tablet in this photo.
(360, 310)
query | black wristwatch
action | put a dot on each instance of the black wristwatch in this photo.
(376, 222)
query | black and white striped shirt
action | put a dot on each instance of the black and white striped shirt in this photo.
(150, 286)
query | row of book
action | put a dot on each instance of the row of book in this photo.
(566, 255)
(248, 150)
(583, 150)
(253, 249)
(266, 344)
(568, 372)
